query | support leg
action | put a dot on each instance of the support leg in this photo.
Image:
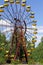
(26, 55)
(17, 51)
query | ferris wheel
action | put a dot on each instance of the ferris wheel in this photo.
(16, 15)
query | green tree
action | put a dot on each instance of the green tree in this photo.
(37, 54)
(2, 38)
(2, 52)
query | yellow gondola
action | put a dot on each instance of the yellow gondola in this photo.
(32, 13)
(6, 5)
(17, 1)
(29, 51)
(32, 44)
(2, 6)
(32, 16)
(34, 21)
(1, 48)
(34, 37)
(6, 0)
(1, 10)
(33, 24)
(28, 8)
(7, 51)
(34, 41)
(32, 48)
(35, 29)
(6, 56)
(29, 54)
(11, 1)
(23, 3)
(34, 32)
(12, 56)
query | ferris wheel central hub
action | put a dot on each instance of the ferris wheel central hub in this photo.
(17, 20)
(14, 18)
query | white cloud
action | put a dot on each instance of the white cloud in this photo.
(7, 30)
(38, 39)
(5, 23)
(40, 29)
(2, 22)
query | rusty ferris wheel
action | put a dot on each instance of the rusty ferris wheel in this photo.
(20, 22)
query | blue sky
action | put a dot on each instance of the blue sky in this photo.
(37, 7)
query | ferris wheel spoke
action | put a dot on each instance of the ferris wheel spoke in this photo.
(6, 25)
(19, 13)
(12, 10)
(7, 31)
(27, 20)
(26, 16)
(29, 28)
(7, 18)
(23, 13)
(30, 33)
(12, 21)
(29, 36)
(7, 22)
(6, 15)
(8, 35)
(9, 12)
(16, 9)
(29, 23)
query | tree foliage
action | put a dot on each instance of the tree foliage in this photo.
(2, 38)
(37, 54)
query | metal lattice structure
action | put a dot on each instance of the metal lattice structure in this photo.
(20, 23)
